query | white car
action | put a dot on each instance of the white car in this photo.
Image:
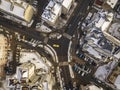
(83, 74)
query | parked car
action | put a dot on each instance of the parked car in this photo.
(81, 55)
(56, 45)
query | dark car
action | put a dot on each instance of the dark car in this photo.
(81, 55)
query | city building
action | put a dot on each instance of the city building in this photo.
(17, 11)
(54, 9)
(104, 21)
(110, 29)
(111, 3)
(103, 71)
(3, 54)
(27, 77)
(97, 45)
(91, 87)
(35, 58)
(114, 77)
(99, 2)
(25, 72)
(113, 33)
(106, 3)
(34, 72)
(52, 12)
(66, 5)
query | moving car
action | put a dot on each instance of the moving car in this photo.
(56, 45)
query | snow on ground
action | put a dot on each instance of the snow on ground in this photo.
(34, 58)
(103, 71)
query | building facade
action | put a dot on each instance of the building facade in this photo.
(3, 54)
(17, 11)
(54, 9)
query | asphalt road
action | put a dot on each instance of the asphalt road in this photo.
(13, 27)
(62, 51)
(79, 14)
(64, 42)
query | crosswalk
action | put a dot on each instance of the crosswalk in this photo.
(63, 63)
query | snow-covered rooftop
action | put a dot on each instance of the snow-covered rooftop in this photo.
(117, 55)
(96, 39)
(93, 87)
(103, 71)
(67, 3)
(103, 20)
(3, 52)
(92, 51)
(34, 58)
(112, 3)
(17, 8)
(52, 12)
(115, 30)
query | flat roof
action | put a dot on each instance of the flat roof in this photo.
(112, 3)
(3, 52)
(117, 82)
(93, 87)
(52, 11)
(18, 9)
(67, 3)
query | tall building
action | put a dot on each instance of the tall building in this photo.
(106, 3)
(114, 77)
(3, 54)
(52, 12)
(54, 9)
(17, 11)
(66, 4)
(26, 78)
(25, 72)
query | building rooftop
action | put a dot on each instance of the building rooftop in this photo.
(34, 58)
(103, 20)
(67, 3)
(25, 71)
(114, 77)
(115, 30)
(117, 82)
(34, 70)
(93, 52)
(93, 87)
(112, 3)
(97, 39)
(3, 44)
(51, 12)
(3, 54)
(17, 8)
(103, 71)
